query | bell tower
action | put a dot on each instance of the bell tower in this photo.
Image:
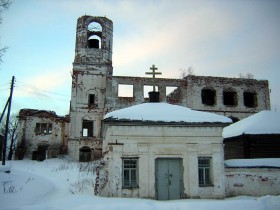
(92, 65)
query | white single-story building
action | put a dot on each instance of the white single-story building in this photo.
(163, 151)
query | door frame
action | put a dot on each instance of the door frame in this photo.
(181, 190)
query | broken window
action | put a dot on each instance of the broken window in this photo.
(130, 173)
(230, 98)
(208, 96)
(204, 171)
(43, 128)
(173, 94)
(94, 35)
(85, 154)
(147, 89)
(91, 99)
(87, 128)
(250, 99)
(125, 90)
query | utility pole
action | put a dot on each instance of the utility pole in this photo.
(7, 121)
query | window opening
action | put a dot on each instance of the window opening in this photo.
(230, 98)
(87, 128)
(170, 90)
(250, 99)
(85, 154)
(147, 89)
(204, 171)
(91, 99)
(173, 94)
(208, 97)
(130, 173)
(125, 90)
(43, 128)
(94, 35)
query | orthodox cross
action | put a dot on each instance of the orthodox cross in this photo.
(153, 68)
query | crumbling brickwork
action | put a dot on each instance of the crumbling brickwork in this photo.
(42, 134)
(232, 97)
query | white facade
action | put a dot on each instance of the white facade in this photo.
(147, 142)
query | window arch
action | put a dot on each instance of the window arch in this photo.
(94, 34)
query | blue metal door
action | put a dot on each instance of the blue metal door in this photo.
(168, 178)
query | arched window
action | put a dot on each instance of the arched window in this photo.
(208, 96)
(94, 35)
(85, 154)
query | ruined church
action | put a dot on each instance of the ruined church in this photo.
(95, 92)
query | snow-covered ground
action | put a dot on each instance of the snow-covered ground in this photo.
(56, 184)
(251, 163)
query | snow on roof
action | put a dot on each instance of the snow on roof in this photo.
(253, 163)
(163, 112)
(264, 122)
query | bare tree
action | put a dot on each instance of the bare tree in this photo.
(12, 135)
(4, 5)
(246, 76)
(188, 72)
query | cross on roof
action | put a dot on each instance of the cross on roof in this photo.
(153, 68)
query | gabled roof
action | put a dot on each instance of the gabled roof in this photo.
(163, 112)
(264, 122)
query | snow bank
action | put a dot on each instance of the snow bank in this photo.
(250, 163)
(264, 122)
(165, 113)
(54, 185)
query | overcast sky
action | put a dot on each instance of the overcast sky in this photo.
(215, 37)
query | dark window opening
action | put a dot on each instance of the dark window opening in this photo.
(91, 99)
(85, 154)
(208, 97)
(43, 128)
(87, 128)
(230, 98)
(250, 99)
(94, 42)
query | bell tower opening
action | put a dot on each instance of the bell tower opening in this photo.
(94, 34)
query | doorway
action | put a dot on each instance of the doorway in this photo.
(169, 182)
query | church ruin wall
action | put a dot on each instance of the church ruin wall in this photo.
(232, 97)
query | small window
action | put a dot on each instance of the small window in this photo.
(130, 173)
(125, 90)
(85, 154)
(173, 94)
(208, 96)
(147, 89)
(87, 128)
(250, 99)
(230, 98)
(204, 171)
(91, 99)
(43, 128)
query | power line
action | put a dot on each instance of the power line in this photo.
(38, 89)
